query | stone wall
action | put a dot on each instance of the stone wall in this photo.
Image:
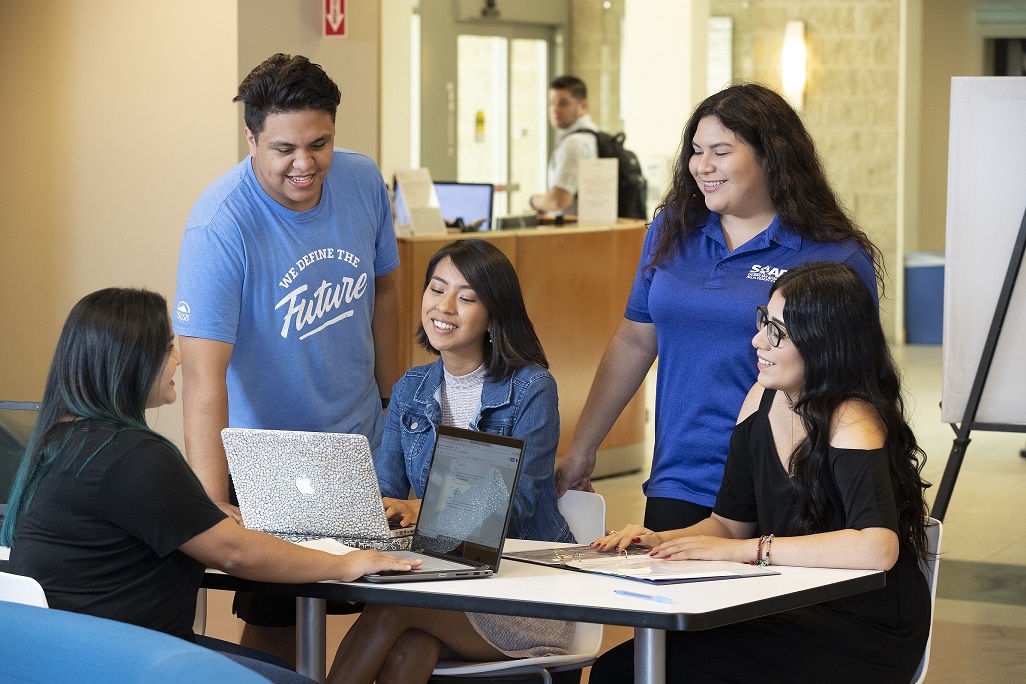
(594, 57)
(851, 98)
(851, 95)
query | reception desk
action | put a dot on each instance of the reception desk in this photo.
(575, 282)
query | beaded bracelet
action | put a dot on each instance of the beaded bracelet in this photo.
(767, 540)
(758, 553)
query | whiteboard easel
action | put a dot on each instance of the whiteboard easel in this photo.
(984, 315)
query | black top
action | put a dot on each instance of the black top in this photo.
(102, 531)
(757, 488)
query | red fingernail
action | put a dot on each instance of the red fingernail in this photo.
(636, 540)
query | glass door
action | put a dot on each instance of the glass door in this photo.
(501, 132)
(483, 101)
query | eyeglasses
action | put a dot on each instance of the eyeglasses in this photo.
(774, 331)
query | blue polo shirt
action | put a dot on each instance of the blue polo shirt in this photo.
(703, 307)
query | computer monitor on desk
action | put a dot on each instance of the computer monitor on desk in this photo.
(469, 202)
(17, 420)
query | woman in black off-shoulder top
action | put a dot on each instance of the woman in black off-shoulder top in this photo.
(823, 471)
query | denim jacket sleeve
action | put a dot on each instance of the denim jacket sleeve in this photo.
(535, 509)
(390, 462)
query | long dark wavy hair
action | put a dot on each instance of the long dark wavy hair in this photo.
(798, 185)
(832, 319)
(112, 349)
(513, 342)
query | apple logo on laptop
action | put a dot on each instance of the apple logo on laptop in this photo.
(304, 485)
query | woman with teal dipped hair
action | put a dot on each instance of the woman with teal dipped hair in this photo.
(106, 514)
(97, 375)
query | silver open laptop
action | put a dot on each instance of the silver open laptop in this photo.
(309, 485)
(468, 499)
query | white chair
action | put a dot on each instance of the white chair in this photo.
(20, 589)
(934, 531)
(585, 513)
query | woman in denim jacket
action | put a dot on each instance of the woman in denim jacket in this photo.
(491, 377)
(522, 405)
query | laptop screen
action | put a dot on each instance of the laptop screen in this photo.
(468, 495)
(17, 420)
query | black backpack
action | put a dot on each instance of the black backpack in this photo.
(633, 188)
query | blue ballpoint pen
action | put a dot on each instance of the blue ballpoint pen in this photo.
(646, 597)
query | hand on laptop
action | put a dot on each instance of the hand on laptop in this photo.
(360, 563)
(231, 511)
(406, 510)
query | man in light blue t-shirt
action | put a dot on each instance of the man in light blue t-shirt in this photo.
(286, 304)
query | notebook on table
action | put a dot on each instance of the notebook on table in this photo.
(464, 516)
(309, 485)
(17, 420)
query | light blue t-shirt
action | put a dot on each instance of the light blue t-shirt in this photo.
(294, 292)
(703, 307)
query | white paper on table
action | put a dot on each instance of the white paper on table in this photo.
(597, 181)
(643, 566)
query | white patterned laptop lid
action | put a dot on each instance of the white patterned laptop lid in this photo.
(307, 485)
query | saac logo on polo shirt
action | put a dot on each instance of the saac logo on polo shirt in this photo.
(767, 273)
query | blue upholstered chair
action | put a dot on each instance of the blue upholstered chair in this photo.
(46, 645)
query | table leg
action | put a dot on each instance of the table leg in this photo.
(310, 637)
(649, 656)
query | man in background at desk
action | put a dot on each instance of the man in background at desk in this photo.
(568, 113)
(287, 308)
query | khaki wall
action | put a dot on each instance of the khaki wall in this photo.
(116, 118)
(118, 114)
(595, 57)
(952, 46)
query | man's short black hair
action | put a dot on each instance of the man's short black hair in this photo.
(574, 85)
(285, 83)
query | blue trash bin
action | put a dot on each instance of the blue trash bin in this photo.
(924, 297)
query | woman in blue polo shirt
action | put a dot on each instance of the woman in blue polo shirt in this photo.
(749, 201)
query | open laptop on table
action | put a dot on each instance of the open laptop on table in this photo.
(17, 420)
(309, 485)
(467, 503)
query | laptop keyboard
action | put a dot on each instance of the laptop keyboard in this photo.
(431, 564)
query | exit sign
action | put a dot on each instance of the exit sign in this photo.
(335, 18)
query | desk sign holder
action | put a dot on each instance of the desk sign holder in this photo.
(416, 204)
(597, 191)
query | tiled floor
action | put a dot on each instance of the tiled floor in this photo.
(980, 624)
